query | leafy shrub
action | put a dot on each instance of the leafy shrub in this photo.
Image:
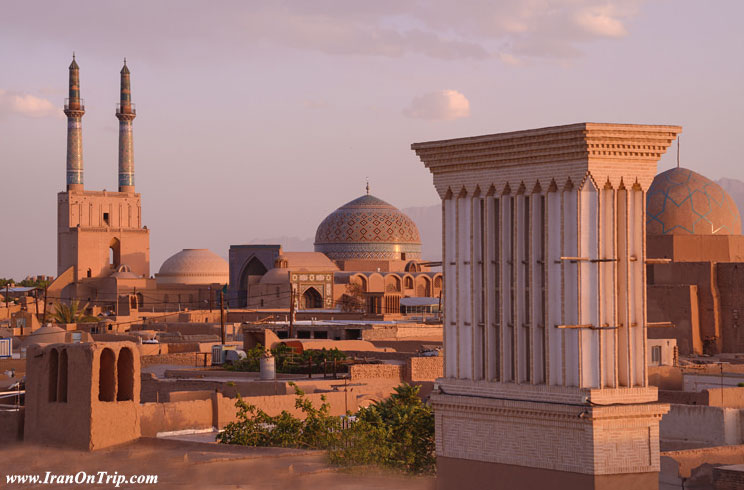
(318, 430)
(286, 361)
(396, 433)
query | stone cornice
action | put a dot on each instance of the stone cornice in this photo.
(547, 393)
(555, 153)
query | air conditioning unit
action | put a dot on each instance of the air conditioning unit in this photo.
(218, 353)
(6, 348)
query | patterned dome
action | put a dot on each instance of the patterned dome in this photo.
(368, 228)
(194, 266)
(683, 202)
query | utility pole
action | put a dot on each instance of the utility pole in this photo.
(7, 299)
(440, 304)
(222, 317)
(43, 319)
(291, 312)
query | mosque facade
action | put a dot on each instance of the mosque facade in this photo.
(103, 248)
(367, 252)
(367, 258)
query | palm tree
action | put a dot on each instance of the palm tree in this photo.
(71, 313)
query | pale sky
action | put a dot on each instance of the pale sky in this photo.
(257, 118)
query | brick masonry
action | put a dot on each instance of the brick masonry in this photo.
(179, 359)
(728, 477)
(566, 437)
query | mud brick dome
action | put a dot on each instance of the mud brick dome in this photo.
(683, 202)
(368, 228)
(194, 266)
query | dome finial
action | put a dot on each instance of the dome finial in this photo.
(368, 186)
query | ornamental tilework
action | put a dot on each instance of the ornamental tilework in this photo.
(681, 202)
(368, 228)
(367, 219)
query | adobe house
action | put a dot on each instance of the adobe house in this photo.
(83, 395)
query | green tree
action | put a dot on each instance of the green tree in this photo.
(353, 299)
(397, 432)
(71, 313)
(33, 283)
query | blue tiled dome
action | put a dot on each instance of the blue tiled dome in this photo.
(681, 201)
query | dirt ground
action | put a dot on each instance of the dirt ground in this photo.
(183, 464)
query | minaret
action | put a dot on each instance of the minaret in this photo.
(125, 113)
(74, 109)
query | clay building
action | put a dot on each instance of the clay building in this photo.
(696, 283)
(94, 388)
(103, 247)
(545, 372)
(367, 257)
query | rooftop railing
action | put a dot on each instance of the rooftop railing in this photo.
(126, 108)
(74, 104)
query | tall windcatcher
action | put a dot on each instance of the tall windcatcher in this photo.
(126, 113)
(74, 109)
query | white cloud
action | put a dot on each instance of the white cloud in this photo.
(509, 30)
(601, 22)
(441, 105)
(441, 29)
(27, 105)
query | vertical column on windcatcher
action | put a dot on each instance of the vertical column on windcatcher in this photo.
(74, 109)
(126, 113)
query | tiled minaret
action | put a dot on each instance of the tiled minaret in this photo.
(74, 109)
(126, 113)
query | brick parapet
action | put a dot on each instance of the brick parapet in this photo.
(567, 437)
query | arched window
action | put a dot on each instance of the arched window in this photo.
(409, 282)
(311, 299)
(392, 283)
(53, 374)
(106, 381)
(89, 273)
(114, 253)
(438, 282)
(125, 375)
(63, 375)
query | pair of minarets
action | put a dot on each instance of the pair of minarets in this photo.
(125, 112)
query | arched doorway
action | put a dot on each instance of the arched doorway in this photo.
(252, 273)
(311, 299)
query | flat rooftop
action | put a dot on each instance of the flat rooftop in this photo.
(198, 465)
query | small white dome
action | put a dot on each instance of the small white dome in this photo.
(194, 266)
